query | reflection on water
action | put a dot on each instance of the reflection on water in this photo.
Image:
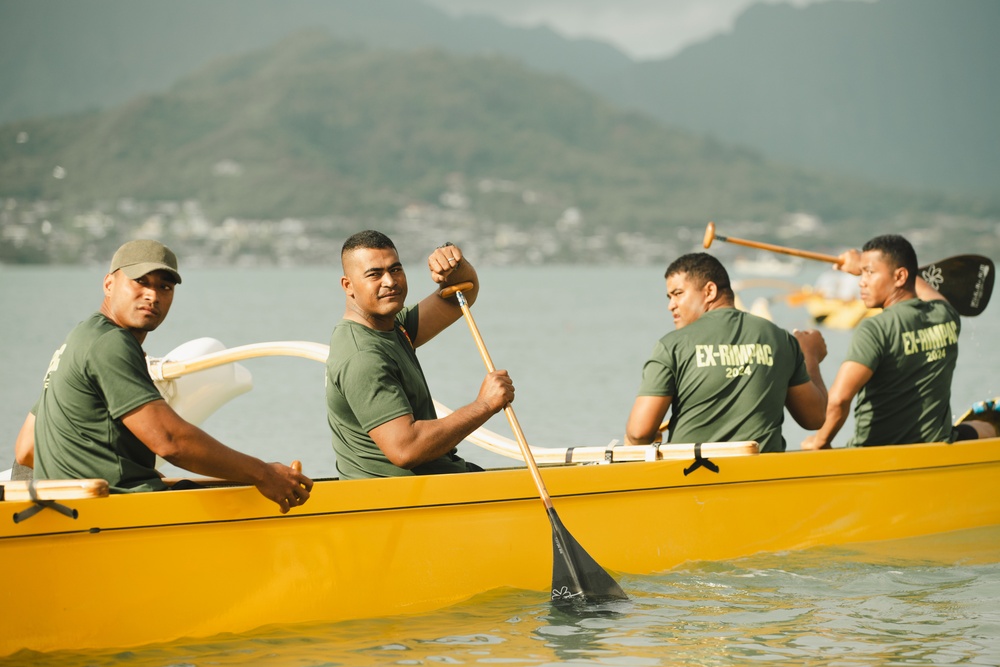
(922, 601)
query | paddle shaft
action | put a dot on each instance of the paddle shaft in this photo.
(515, 426)
(710, 235)
(576, 576)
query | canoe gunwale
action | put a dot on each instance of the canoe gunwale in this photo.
(228, 503)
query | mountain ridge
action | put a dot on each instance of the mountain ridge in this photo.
(897, 91)
(381, 128)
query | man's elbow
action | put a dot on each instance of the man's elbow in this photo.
(402, 457)
(404, 462)
(163, 431)
(814, 420)
(169, 448)
(25, 458)
(636, 436)
(24, 444)
(406, 442)
(808, 406)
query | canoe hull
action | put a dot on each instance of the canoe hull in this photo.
(147, 568)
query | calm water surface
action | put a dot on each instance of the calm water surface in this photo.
(574, 340)
(927, 601)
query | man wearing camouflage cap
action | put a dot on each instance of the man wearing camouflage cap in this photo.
(101, 416)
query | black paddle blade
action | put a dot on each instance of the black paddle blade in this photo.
(965, 280)
(576, 577)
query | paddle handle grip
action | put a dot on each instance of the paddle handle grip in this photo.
(710, 235)
(451, 289)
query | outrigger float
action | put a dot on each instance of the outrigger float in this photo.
(229, 562)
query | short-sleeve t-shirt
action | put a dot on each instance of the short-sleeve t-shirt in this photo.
(911, 348)
(728, 374)
(373, 377)
(98, 376)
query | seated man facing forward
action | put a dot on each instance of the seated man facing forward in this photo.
(378, 403)
(727, 375)
(900, 362)
(101, 416)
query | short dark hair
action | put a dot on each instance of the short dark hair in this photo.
(366, 239)
(702, 268)
(898, 251)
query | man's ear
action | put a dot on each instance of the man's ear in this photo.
(107, 284)
(711, 291)
(900, 275)
(345, 284)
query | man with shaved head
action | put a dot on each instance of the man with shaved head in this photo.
(378, 404)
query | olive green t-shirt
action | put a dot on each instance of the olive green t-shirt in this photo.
(96, 377)
(373, 377)
(728, 374)
(911, 348)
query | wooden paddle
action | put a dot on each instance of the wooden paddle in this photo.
(966, 281)
(576, 577)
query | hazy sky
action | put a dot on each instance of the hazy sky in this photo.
(642, 28)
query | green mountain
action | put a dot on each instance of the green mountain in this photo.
(899, 91)
(316, 127)
(64, 56)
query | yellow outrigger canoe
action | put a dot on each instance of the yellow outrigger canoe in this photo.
(89, 571)
(202, 562)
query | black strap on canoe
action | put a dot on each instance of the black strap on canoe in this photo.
(39, 505)
(609, 455)
(700, 461)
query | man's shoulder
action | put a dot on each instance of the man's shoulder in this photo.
(349, 338)
(729, 314)
(912, 310)
(353, 343)
(95, 325)
(710, 321)
(944, 308)
(731, 317)
(98, 333)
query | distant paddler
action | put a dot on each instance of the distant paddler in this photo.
(833, 302)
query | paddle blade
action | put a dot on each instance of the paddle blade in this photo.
(965, 280)
(576, 577)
